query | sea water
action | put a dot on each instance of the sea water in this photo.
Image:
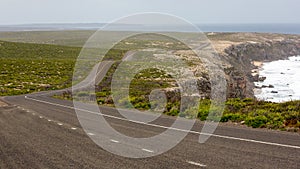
(262, 28)
(284, 78)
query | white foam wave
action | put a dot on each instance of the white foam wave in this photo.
(284, 75)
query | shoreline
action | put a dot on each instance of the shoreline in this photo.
(274, 82)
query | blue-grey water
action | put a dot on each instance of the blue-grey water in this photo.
(260, 28)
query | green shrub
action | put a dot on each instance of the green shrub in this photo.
(101, 100)
(234, 117)
(204, 108)
(173, 112)
(275, 120)
(235, 105)
(203, 113)
(257, 121)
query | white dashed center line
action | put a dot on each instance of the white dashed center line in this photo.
(197, 164)
(73, 128)
(60, 124)
(114, 141)
(41, 117)
(49, 120)
(147, 150)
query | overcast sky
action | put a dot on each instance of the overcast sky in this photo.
(196, 11)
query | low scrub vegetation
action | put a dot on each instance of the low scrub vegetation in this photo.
(27, 67)
(253, 113)
(261, 114)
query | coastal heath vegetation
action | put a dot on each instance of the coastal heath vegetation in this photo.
(27, 68)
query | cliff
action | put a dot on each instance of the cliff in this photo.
(242, 57)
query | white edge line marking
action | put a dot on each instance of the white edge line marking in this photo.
(197, 164)
(147, 150)
(91, 134)
(164, 127)
(114, 141)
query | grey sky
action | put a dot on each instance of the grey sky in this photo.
(196, 11)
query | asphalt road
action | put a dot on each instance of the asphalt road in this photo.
(41, 134)
(38, 131)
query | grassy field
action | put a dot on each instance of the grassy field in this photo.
(28, 68)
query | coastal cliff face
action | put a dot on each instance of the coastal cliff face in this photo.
(241, 57)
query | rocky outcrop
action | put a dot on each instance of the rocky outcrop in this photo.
(240, 78)
(267, 51)
(237, 62)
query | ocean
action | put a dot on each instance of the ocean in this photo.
(284, 78)
(260, 28)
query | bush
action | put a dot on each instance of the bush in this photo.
(101, 100)
(173, 112)
(276, 120)
(234, 117)
(257, 121)
(203, 113)
(235, 105)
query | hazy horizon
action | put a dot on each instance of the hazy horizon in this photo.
(104, 11)
(285, 28)
(98, 23)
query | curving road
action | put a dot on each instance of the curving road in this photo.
(38, 131)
